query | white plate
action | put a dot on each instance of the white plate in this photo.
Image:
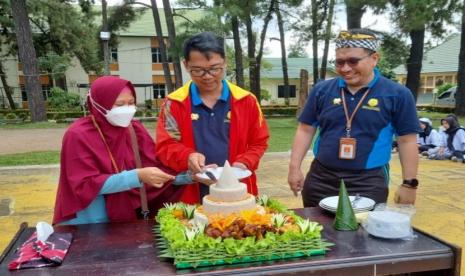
(363, 204)
(239, 173)
(356, 211)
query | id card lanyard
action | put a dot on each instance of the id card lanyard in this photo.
(113, 161)
(347, 144)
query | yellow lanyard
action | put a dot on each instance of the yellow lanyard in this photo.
(106, 145)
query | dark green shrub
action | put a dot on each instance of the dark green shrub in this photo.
(11, 116)
(444, 87)
(63, 100)
(279, 111)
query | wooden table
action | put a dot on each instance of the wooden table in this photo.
(128, 248)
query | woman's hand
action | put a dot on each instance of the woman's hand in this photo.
(153, 176)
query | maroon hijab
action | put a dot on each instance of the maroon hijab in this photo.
(86, 164)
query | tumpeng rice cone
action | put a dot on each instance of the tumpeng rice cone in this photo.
(345, 217)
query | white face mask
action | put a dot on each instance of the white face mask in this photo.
(121, 116)
(118, 116)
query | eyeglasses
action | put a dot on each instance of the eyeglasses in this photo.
(200, 72)
(352, 62)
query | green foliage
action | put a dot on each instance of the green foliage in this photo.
(416, 14)
(279, 110)
(66, 30)
(444, 87)
(393, 52)
(297, 50)
(63, 100)
(265, 95)
(11, 116)
(191, 248)
(54, 64)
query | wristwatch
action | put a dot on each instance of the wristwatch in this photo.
(410, 183)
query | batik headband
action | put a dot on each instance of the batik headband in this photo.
(347, 39)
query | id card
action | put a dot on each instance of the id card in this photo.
(347, 147)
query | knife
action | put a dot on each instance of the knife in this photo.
(211, 176)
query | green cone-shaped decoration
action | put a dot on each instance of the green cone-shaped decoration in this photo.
(345, 217)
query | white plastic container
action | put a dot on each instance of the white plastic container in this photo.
(389, 225)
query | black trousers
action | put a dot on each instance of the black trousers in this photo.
(423, 148)
(322, 182)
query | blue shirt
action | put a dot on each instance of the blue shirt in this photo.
(211, 126)
(96, 212)
(389, 109)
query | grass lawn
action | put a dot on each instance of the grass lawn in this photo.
(30, 158)
(282, 132)
(33, 125)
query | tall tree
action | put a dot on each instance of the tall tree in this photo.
(239, 66)
(355, 10)
(172, 40)
(460, 94)
(283, 54)
(6, 39)
(327, 37)
(161, 45)
(6, 88)
(28, 57)
(310, 28)
(314, 28)
(414, 18)
(258, 59)
(105, 40)
(296, 50)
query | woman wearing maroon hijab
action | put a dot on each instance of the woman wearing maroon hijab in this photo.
(99, 181)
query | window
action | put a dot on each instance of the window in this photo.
(429, 81)
(23, 93)
(156, 55)
(158, 91)
(281, 91)
(448, 79)
(46, 93)
(114, 55)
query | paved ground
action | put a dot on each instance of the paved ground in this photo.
(28, 194)
(27, 140)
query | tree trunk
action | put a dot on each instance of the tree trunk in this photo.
(161, 45)
(29, 60)
(237, 52)
(414, 61)
(460, 93)
(354, 11)
(59, 79)
(6, 87)
(315, 40)
(266, 21)
(251, 56)
(303, 91)
(105, 42)
(283, 55)
(172, 40)
(329, 24)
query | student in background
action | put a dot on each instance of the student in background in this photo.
(428, 138)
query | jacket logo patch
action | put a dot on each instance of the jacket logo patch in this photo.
(337, 101)
(373, 102)
(194, 116)
(375, 108)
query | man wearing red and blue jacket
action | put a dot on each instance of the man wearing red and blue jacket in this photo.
(210, 120)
